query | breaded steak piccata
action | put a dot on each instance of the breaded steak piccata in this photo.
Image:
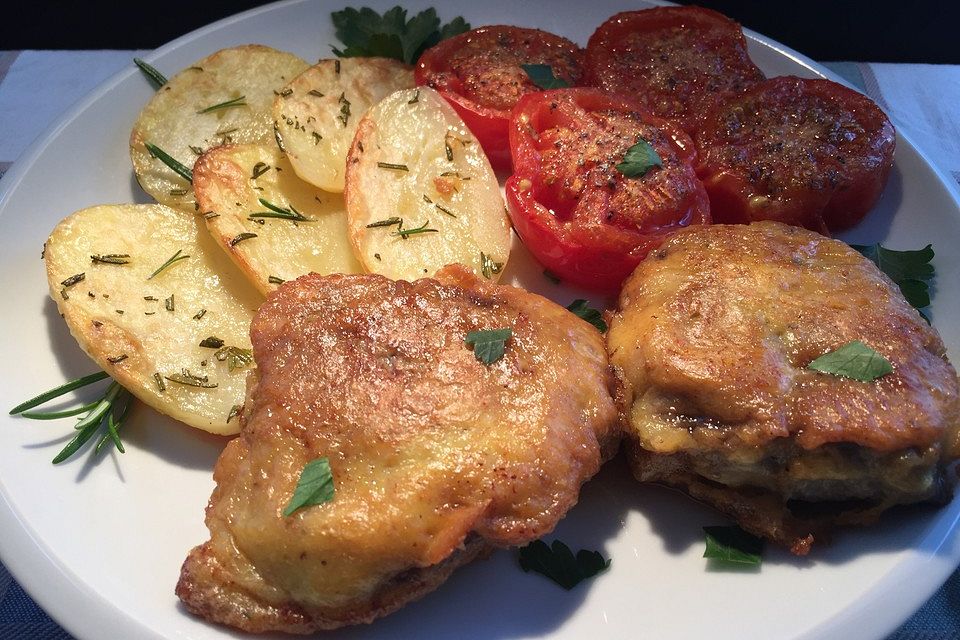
(712, 340)
(436, 456)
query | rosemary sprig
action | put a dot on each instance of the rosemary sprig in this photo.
(170, 161)
(278, 212)
(158, 78)
(174, 258)
(97, 414)
(240, 101)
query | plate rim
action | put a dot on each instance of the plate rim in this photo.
(78, 611)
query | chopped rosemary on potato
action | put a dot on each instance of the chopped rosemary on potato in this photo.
(393, 165)
(171, 261)
(404, 233)
(239, 101)
(111, 258)
(170, 161)
(278, 212)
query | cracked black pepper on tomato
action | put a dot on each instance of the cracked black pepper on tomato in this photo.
(598, 183)
(481, 73)
(810, 153)
(675, 61)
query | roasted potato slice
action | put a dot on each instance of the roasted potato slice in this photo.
(298, 229)
(224, 98)
(420, 192)
(317, 113)
(144, 325)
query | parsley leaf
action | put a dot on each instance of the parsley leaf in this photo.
(853, 360)
(365, 32)
(488, 344)
(732, 544)
(910, 270)
(314, 487)
(559, 564)
(639, 159)
(542, 76)
(591, 315)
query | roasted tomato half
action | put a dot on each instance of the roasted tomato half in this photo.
(479, 73)
(576, 212)
(810, 153)
(673, 60)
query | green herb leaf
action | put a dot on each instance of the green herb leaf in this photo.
(853, 360)
(558, 563)
(488, 344)
(236, 357)
(638, 160)
(591, 315)
(314, 487)
(404, 233)
(172, 260)
(365, 32)
(170, 161)
(542, 76)
(158, 78)
(909, 270)
(67, 387)
(732, 544)
(239, 101)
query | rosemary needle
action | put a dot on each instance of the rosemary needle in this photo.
(58, 391)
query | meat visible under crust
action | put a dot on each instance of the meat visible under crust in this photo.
(436, 456)
(712, 340)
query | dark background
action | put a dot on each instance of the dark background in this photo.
(919, 31)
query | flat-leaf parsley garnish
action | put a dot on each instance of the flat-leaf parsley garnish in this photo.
(639, 159)
(314, 487)
(733, 545)
(542, 76)
(853, 360)
(591, 315)
(365, 32)
(558, 562)
(489, 344)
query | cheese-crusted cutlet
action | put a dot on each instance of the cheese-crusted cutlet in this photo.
(436, 456)
(712, 340)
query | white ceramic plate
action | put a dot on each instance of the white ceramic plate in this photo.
(100, 545)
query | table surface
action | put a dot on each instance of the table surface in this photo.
(923, 100)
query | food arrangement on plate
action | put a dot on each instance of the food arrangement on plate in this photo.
(399, 412)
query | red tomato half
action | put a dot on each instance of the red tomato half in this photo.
(479, 73)
(574, 210)
(810, 153)
(673, 60)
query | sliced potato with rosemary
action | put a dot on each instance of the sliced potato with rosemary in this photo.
(420, 191)
(152, 299)
(225, 98)
(275, 226)
(317, 113)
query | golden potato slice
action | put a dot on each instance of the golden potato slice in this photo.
(146, 331)
(317, 113)
(270, 206)
(420, 192)
(224, 98)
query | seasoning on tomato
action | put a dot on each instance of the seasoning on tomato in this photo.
(482, 74)
(674, 60)
(810, 153)
(598, 183)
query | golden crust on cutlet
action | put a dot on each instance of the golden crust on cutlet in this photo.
(436, 456)
(712, 340)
